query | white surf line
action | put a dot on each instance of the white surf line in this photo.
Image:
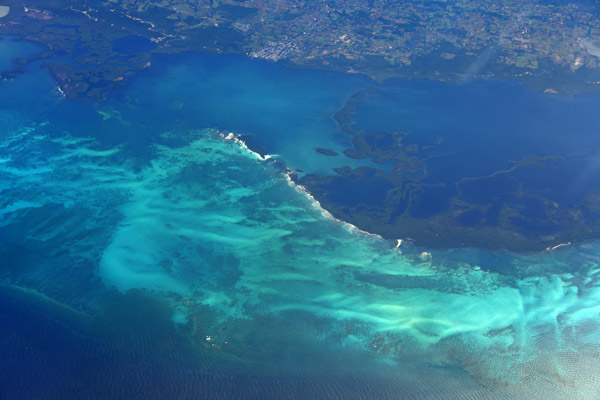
(299, 188)
(235, 138)
(552, 248)
(325, 212)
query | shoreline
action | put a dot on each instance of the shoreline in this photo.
(288, 174)
(564, 85)
(396, 242)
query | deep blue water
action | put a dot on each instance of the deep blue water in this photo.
(12, 48)
(45, 357)
(144, 256)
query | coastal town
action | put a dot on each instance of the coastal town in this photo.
(551, 47)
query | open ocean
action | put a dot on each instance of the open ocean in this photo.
(147, 253)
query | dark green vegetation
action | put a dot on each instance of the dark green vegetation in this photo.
(550, 46)
(536, 203)
(385, 208)
(93, 48)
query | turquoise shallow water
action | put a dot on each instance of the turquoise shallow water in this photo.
(160, 258)
(289, 113)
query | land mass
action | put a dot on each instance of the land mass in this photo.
(548, 45)
(504, 209)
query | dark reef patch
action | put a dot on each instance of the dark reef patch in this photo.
(326, 152)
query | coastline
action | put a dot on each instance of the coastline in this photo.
(486, 239)
(394, 241)
(289, 177)
(438, 231)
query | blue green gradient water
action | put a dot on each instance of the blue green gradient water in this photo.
(143, 256)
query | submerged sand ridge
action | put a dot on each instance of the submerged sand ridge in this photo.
(278, 258)
(4, 10)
